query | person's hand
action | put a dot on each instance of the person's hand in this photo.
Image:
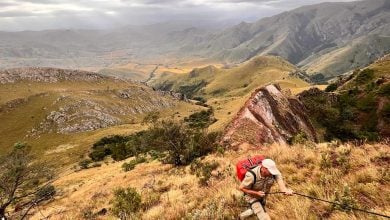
(288, 192)
(260, 193)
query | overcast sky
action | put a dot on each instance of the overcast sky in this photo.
(16, 15)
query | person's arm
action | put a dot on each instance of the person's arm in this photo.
(254, 193)
(246, 185)
(282, 185)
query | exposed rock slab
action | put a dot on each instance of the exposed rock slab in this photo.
(269, 116)
(48, 75)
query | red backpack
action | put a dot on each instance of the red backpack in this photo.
(246, 165)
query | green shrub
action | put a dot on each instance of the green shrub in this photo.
(155, 154)
(119, 151)
(202, 119)
(200, 99)
(45, 192)
(109, 140)
(220, 150)
(339, 119)
(126, 203)
(386, 111)
(203, 170)
(371, 86)
(128, 166)
(385, 90)
(339, 159)
(331, 88)
(344, 199)
(106, 146)
(131, 164)
(84, 164)
(367, 103)
(98, 154)
(365, 76)
(173, 142)
(190, 90)
(299, 138)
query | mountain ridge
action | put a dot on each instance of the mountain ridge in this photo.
(314, 37)
(296, 34)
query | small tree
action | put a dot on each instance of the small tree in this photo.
(21, 181)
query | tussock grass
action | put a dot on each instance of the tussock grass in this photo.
(174, 193)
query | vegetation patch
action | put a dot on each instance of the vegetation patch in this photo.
(202, 119)
(190, 90)
(365, 76)
(386, 111)
(131, 164)
(172, 142)
(126, 203)
(24, 182)
(385, 90)
(331, 88)
(351, 113)
(203, 170)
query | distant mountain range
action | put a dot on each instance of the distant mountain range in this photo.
(327, 38)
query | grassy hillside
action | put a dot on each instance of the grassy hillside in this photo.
(32, 112)
(330, 38)
(227, 89)
(347, 174)
(236, 81)
(359, 53)
(356, 106)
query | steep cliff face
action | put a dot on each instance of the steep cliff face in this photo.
(269, 116)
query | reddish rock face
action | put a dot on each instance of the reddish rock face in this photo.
(269, 116)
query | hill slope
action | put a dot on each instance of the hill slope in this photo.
(236, 81)
(168, 192)
(48, 107)
(356, 107)
(353, 34)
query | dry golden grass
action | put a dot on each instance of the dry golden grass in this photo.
(236, 81)
(42, 98)
(180, 196)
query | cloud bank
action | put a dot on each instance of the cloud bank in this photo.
(16, 15)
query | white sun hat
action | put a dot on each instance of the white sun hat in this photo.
(271, 166)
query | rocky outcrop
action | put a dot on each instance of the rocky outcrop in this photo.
(86, 115)
(82, 115)
(176, 95)
(48, 75)
(269, 116)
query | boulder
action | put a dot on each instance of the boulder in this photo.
(269, 116)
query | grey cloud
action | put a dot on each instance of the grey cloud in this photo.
(8, 3)
(10, 14)
(102, 14)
